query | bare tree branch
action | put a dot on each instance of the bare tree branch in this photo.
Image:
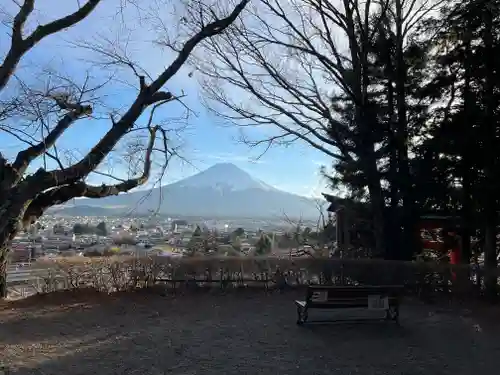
(20, 46)
(145, 98)
(62, 194)
(25, 196)
(25, 157)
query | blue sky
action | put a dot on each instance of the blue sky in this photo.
(205, 140)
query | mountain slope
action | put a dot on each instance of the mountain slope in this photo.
(222, 176)
(221, 190)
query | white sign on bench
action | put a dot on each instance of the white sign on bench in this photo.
(319, 296)
(376, 302)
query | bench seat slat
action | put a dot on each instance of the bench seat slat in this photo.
(351, 296)
(349, 300)
(354, 287)
(357, 291)
(335, 297)
(337, 305)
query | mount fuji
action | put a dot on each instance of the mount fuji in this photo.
(223, 190)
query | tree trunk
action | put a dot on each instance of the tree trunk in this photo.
(490, 259)
(393, 229)
(377, 203)
(359, 83)
(10, 214)
(466, 219)
(4, 252)
(466, 165)
(490, 201)
(409, 216)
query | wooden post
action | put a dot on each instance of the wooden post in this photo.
(339, 217)
(343, 237)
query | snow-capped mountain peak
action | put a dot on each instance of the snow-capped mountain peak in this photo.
(222, 190)
(223, 177)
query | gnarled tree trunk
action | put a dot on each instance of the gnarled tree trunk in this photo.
(25, 196)
(9, 229)
(3, 270)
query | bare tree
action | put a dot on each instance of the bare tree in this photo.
(321, 235)
(25, 196)
(305, 69)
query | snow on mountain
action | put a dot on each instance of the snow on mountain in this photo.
(223, 176)
(221, 190)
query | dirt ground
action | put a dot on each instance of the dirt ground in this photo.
(244, 333)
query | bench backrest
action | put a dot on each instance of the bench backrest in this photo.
(317, 292)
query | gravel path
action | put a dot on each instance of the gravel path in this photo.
(245, 333)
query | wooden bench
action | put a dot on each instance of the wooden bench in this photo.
(379, 298)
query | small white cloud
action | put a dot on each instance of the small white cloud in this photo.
(227, 157)
(318, 163)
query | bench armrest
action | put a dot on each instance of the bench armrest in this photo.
(301, 303)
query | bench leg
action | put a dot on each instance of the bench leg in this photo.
(396, 314)
(301, 315)
(392, 314)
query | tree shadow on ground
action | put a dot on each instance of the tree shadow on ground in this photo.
(243, 333)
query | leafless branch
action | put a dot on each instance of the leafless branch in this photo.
(28, 195)
(67, 192)
(146, 97)
(21, 45)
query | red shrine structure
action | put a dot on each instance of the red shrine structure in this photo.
(438, 233)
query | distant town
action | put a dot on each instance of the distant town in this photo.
(87, 236)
